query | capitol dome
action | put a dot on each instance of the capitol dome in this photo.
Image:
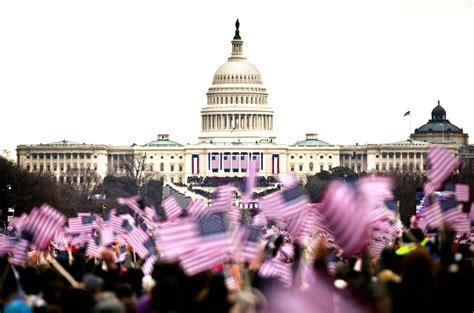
(237, 108)
(237, 72)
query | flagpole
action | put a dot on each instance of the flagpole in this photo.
(409, 126)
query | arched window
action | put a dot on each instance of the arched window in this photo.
(162, 167)
(311, 166)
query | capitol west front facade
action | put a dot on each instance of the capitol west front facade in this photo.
(236, 126)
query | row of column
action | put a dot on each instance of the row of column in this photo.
(237, 121)
(236, 100)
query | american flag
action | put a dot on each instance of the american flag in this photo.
(141, 243)
(132, 203)
(451, 210)
(18, 249)
(42, 225)
(18, 222)
(284, 204)
(441, 163)
(432, 214)
(82, 224)
(462, 224)
(215, 161)
(94, 245)
(222, 199)
(227, 158)
(259, 220)
(256, 159)
(77, 239)
(202, 259)
(340, 210)
(376, 247)
(295, 224)
(149, 264)
(244, 160)
(234, 215)
(111, 223)
(286, 253)
(61, 239)
(446, 210)
(277, 269)
(249, 183)
(373, 191)
(288, 180)
(462, 192)
(471, 212)
(196, 208)
(209, 232)
(171, 209)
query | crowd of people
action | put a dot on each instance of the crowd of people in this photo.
(214, 181)
(434, 276)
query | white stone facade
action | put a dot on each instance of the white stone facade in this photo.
(237, 125)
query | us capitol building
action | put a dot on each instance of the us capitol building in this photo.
(237, 126)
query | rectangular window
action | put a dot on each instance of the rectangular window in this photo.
(292, 168)
(180, 167)
(171, 168)
(28, 168)
(321, 168)
(301, 167)
(330, 166)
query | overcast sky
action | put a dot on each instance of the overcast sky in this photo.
(119, 72)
